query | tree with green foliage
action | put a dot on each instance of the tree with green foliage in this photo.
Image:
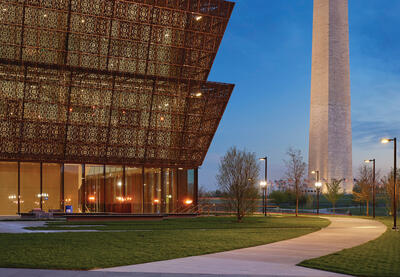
(333, 192)
(278, 197)
(286, 197)
(237, 178)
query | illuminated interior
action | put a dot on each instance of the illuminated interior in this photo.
(94, 188)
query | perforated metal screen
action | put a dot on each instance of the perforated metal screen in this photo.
(116, 82)
(177, 38)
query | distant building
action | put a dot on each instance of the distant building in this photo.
(105, 105)
(330, 143)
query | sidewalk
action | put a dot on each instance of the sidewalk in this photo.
(276, 259)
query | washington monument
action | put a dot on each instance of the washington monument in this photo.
(330, 142)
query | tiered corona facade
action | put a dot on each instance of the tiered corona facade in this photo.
(113, 82)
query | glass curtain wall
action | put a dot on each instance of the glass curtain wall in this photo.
(190, 185)
(8, 188)
(186, 183)
(94, 188)
(51, 187)
(30, 187)
(72, 187)
(152, 190)
(116, 190)
(182, 190)
(171, 195)
(134, 186)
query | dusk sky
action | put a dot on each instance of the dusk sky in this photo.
(266, 53)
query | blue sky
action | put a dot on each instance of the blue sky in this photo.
(266, 52)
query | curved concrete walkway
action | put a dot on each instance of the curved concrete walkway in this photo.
(275, 259)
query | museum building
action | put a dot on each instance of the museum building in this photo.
(105, 104)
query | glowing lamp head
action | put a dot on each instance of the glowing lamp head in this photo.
(119, 183)
(92, 198)
(385, 140)
(198, 18)
(156, 201)
(313, 172)
(263, 184)
(188, 201)
(318, 185)
(367, 161)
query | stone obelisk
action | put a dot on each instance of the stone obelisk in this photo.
(330, 142)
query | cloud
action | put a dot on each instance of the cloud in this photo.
(370, 132)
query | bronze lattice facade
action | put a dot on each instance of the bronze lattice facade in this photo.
(116, 82)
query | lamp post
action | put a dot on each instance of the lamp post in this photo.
(263, 185)
(373, 185)
(394, 179)
(265, 201)
(318, 186)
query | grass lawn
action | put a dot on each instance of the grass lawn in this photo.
(124, 243)
(380, 257)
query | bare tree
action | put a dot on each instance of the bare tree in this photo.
(295, 170)
(237, 177)
(333, 192)
(387, 186)
(363, 189)
(203, 192)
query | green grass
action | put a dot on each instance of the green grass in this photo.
(139, 242)
(380, 257)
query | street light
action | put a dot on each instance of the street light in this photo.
(316, 172)
(265, 201)
(318, 185)
(386, 140)
(373, 185)
(263, 185)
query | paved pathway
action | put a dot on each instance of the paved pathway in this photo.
(16, 227)
(272, 260)
(275, 259)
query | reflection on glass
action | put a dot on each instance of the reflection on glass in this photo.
(101, 189)
(94, 188)
(152, 190)
(30, 187)
(170, 190)
(117, 199)
(72, 186)
(190, 184)
(51, 191)
(8, 188)
(185, 189)
(133, 176)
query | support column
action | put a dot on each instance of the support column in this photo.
(143, 189)
(196, 188)
(83, 189)
(163, 199)
(41, 186)
(104, 188)
(62, 195)
(19, 187)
